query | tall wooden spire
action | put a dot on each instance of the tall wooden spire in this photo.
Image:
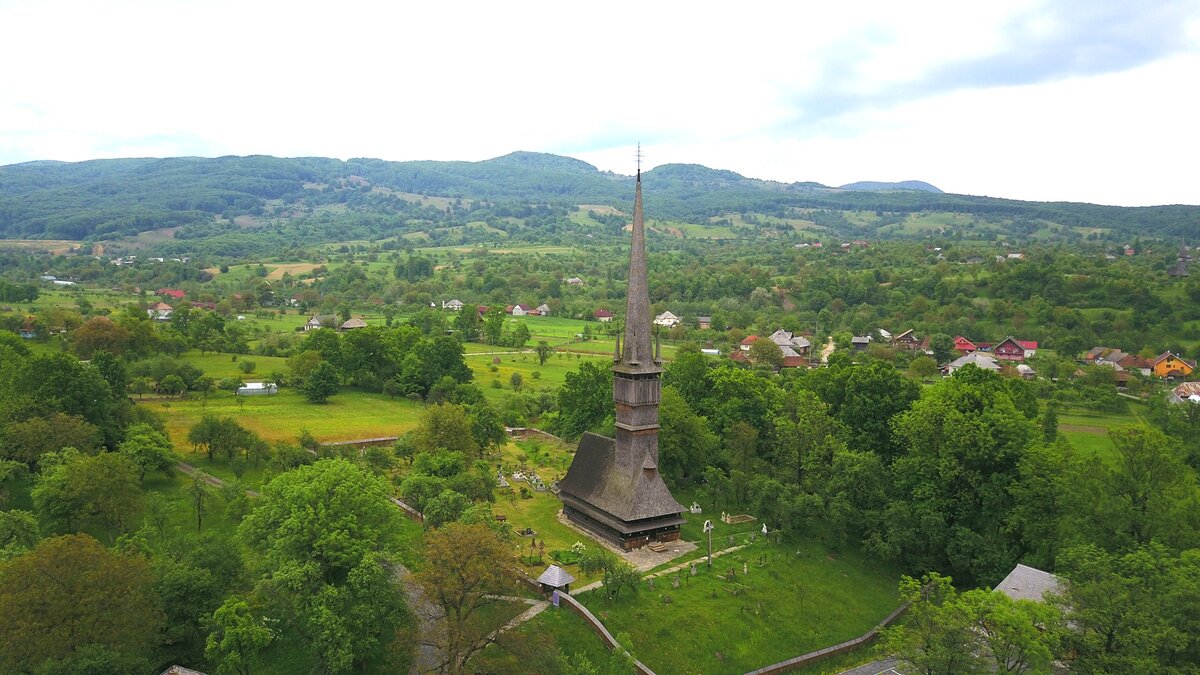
(638, 353)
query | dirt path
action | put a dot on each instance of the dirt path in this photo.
(427, 657)
(1083, 429)
(827, 350)
(208, 478)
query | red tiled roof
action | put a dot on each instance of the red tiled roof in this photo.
(750, 339)
(601, 313)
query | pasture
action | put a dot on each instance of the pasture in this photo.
(348, 415)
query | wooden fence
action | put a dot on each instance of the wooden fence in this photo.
(847, 646)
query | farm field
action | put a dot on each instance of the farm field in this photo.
(348, 415)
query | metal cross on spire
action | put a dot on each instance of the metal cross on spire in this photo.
(639, 156)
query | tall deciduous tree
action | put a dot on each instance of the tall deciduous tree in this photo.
(446, 426)
(323, 534)
(28, 440)
(465, 566)
(686, 446)
(149, 449)
(493, 324)
(322, 382)
(75, 489)
(584, 400)
(238, 638)
(70, 594)
(543, 351)
(952, 489)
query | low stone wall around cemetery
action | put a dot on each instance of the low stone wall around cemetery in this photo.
(606, 637)
(847, 646)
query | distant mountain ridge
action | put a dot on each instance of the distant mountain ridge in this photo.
(108, 199)
(899, 185)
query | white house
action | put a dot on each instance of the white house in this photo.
(519, 310)
(455, 305)
(544, 309)
(160, 311)
(257, 389)
(667, 320)
(320, 321)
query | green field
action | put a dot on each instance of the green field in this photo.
(348, 415)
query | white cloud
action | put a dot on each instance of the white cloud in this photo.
(877, 90)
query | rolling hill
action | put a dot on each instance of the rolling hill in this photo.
(109, 199)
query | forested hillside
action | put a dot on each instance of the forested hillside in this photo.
(109, 199)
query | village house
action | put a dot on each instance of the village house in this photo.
(977, 359)
(170, 293)
(453, 305)
(517, 310)
(543, 309)
(747, 342)
(574, 281)
(353, 324)
(198, 304)
(666, 320)
(160, 311)
(704, 322)
(909, 340)
(1010, 349)
(1169, 365)
(795, 348)
(964, 346)
(320, 321)
(603, 315)
(859, 343)
(1187, 392)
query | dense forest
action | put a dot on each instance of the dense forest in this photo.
(108, 199)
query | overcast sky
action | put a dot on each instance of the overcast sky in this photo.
(1081, 100)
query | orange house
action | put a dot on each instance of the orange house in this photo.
(1171, 365)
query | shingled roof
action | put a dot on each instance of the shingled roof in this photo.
(556, 576)
(1029, 583)
(596, 481)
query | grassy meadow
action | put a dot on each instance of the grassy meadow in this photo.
(348, 415)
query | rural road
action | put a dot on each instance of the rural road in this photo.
(827, 350)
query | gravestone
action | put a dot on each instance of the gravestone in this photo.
(675, 582)
(693, 569)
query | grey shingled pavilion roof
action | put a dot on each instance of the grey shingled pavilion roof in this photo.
(555, 576)
(1029, 583)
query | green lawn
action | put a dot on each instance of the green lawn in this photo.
(796, 597)
(1088, 433)
(219, 366)
(549, 376)
(349, 414)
